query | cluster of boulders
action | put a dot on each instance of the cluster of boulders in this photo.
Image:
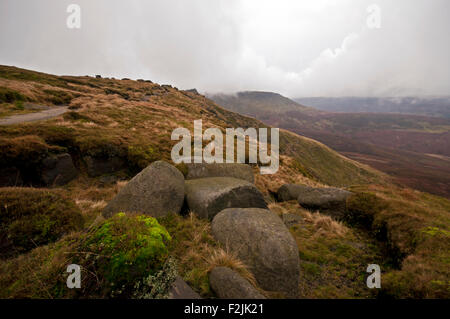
(330, 200)
(240, 220)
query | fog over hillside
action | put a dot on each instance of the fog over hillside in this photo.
(430, 106)
(297, 48)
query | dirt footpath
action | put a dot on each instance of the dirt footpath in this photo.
(30, 117)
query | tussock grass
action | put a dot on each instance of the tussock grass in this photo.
(88, 204)
(192, 245)
(198, 253)
(416, 228)
(333, 257)
(223, 257)
(325, 225)
(33, 217)
(40, 273)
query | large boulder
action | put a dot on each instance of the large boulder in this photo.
(331, 201)
(181, 290)
(262, 241)
(208, 196)
(228, 284)
(290, 192)
(236, 170)
(157, 191)
(58, 170)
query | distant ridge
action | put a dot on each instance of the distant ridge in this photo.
(429, 106)
(397, 144)
(253, 103)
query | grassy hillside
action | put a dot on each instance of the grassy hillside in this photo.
(133, 120)
(251, 102)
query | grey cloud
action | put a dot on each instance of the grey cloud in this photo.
(297, 48)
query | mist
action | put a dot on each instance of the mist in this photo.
(296, 48)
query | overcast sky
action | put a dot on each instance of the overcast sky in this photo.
(297, 48)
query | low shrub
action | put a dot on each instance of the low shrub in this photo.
(193, 245)
(102, 146)
(362, 209)
(58, 97)
(24, 151)
(10, 96)
(18, 104)
(75, 116)
(34, 217)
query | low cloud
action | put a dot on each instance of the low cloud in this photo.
(297, 48)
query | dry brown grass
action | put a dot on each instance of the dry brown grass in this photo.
(325, 225)
(277, 209)
(333, 258)
(192, 245)
(26, 88)
(90, 197)
(198, 253)
(220, 257)
(89, 204)
(416, 227)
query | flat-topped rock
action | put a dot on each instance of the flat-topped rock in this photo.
(329, 200)
(208, 196)
(236, 170)
(262, 241)
(290, 192)
(156, 191)
(228, 284)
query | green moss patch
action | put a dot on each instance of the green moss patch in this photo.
(125, 249)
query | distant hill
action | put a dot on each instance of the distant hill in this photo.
(415, 149)
(253, 103)
(428, 106)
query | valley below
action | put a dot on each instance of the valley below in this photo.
(413, 149)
